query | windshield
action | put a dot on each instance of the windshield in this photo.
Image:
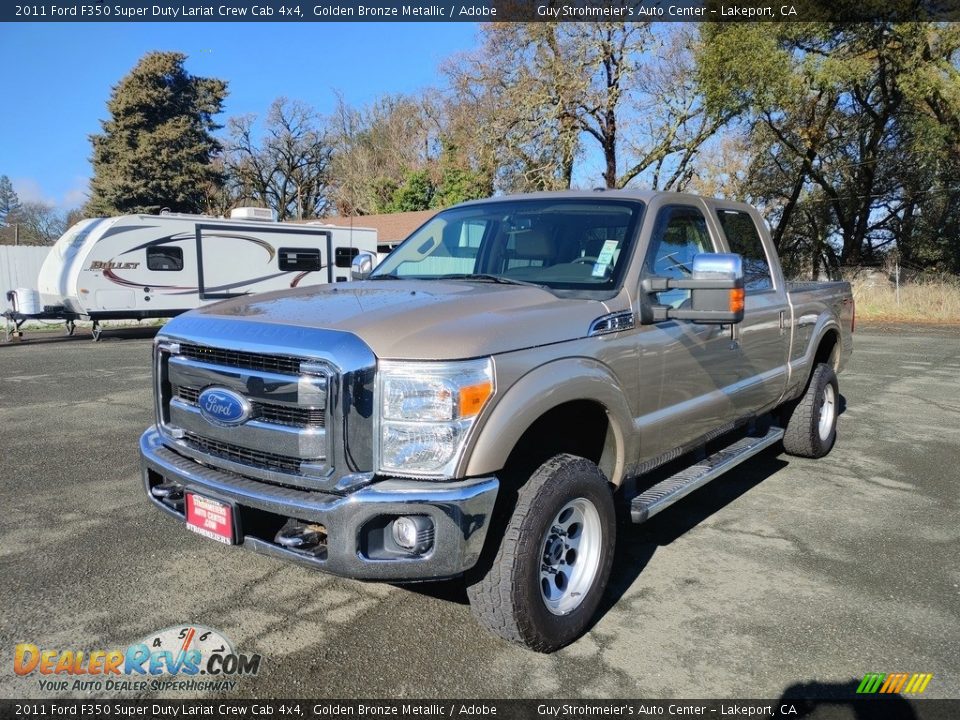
(563, 244)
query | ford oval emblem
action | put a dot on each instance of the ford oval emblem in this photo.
(223, 407)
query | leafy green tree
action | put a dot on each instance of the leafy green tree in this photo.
(416, 193)
(9, 202)
(157, 149)
(458, 181)
(862, 120)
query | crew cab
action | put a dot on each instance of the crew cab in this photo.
(481, 403)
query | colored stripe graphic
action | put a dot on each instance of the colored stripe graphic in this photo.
(919, 682)
(894, 683)
(907, 683)
(871, 683)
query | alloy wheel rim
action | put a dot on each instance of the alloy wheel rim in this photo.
(570, 556)
(828, 411)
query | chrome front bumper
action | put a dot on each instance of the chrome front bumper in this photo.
(460, 512)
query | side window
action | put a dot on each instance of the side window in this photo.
(743, 238)
(680, 233)
(298, 259)
(164, 257)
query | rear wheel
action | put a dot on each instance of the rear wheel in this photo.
(811, 422)
(551, 568)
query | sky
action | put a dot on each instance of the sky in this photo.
(57, 78)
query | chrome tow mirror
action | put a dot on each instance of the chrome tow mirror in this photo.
(716, 291)
(361, 266)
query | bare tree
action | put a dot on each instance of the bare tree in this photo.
(286, 169)
(524, 81)
(670, 123)
(558, 88)
(33, 223)
(377, 148)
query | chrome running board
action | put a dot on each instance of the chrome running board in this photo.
(666, 492)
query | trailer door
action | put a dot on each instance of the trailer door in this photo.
(235, 260)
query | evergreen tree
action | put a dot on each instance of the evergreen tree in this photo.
(415, 193)
(157, 148)
(9, 202)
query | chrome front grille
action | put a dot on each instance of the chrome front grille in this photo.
(283, 439)
(241, 359)
(244, 456)
(280, 414)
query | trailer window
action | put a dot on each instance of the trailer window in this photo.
(299, 259)
(342, 257)
(163, 257)
(743, 238)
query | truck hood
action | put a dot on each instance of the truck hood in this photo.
(411, 319)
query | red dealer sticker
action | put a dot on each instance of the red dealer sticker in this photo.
(210, 518)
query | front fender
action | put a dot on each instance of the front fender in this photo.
(543, 389)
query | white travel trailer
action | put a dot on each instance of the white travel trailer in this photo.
(148, 266)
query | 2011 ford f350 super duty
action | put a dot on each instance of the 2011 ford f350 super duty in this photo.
(480, 402)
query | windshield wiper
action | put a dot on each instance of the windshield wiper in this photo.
(485, 277)
(385, 276)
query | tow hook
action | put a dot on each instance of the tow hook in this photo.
(300, 537)
(169, 494)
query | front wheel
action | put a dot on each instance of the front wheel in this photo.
(553, 563)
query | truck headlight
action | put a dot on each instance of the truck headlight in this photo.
(426, 410)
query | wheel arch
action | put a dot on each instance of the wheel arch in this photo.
(539, 417)
(828, 348)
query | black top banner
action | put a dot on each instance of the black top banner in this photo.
(294, 11)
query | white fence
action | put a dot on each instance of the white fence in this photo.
(19, 267)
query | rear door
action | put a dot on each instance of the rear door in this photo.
(763, 337)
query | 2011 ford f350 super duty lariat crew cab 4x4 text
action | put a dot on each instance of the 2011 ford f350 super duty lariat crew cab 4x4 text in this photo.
(478, 405)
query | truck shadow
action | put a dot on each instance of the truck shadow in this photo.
(637, 544)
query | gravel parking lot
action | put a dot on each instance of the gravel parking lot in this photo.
(790, 576)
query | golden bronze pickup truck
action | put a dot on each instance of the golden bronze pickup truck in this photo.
(481, 403)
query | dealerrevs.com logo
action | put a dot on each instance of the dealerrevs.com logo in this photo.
(182, 657)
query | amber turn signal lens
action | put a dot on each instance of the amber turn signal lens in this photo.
(473, 397)
(736, 300)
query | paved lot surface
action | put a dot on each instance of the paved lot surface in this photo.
(789, 576)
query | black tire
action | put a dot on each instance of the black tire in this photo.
(507, 598)
(802, 432)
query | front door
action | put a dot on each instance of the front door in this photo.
(687, 370)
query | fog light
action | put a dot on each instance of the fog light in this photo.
(413, 532)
